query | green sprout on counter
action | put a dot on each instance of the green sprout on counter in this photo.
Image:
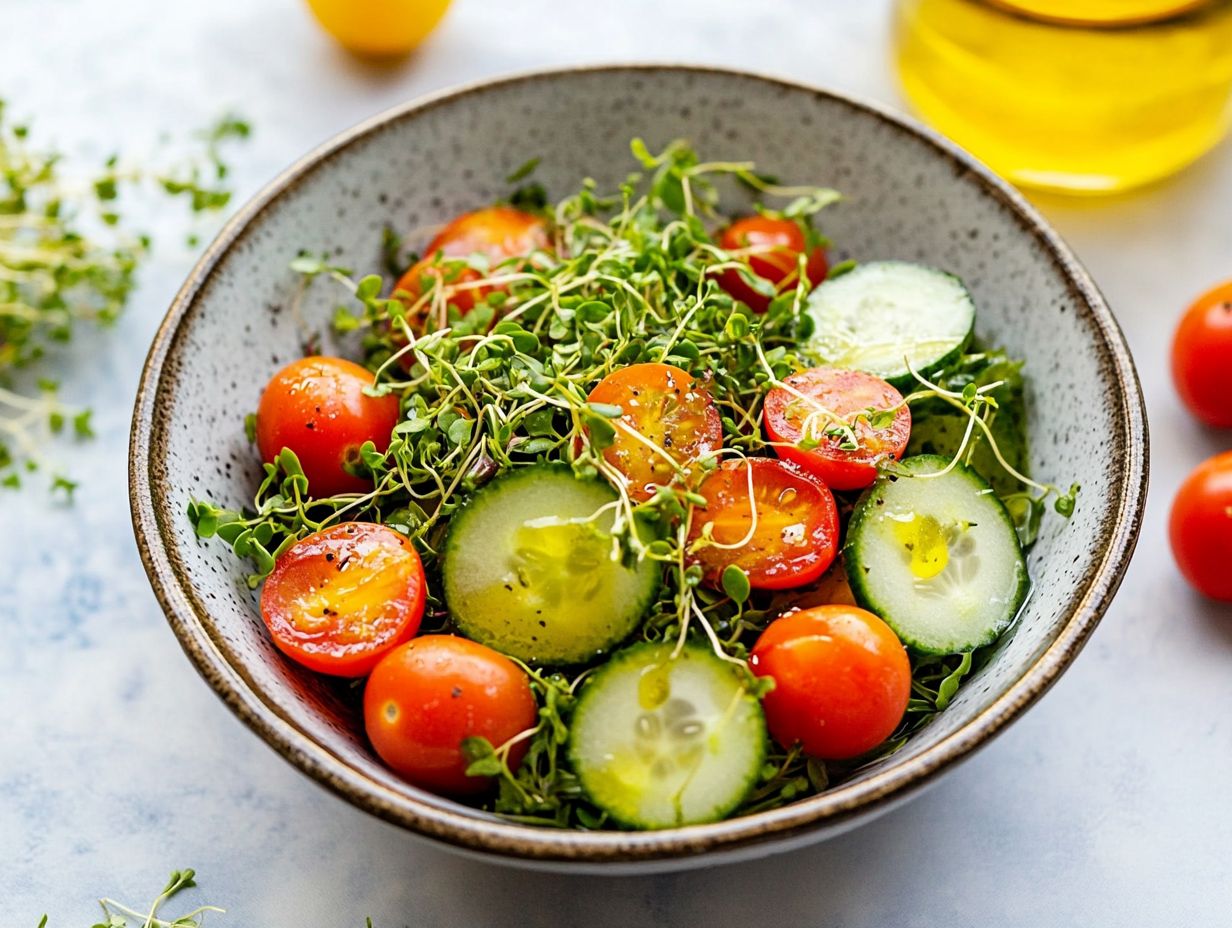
(66, 260)
(118, 915)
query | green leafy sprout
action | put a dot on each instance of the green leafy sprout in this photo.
(118, 915)
(65, 260)
(630, 278)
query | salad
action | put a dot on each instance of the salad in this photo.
(634, 514)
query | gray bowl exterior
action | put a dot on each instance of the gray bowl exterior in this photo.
(908, 195)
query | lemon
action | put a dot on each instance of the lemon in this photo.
(379, 28)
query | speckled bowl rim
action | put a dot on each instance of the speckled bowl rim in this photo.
(831, 811)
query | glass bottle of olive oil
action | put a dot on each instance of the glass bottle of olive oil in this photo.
(1081, 96)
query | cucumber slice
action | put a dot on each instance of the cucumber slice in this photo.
(879, 313)
(659, 741)
(528, 569)
(936, 557)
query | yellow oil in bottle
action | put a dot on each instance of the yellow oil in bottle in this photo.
(1080, 96)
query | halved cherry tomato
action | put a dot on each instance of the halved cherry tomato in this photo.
(1200, 527)
(427, 696)
(823, 400)
(777, 243)
(1202, 357)
(795, 536)
(667, 407)
(317, 407)
(841, 680)
(498, 233)
(339, 600)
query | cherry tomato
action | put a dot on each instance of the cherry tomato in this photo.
(317, 408)
(667, 407)
(425, 697)
(498, 232)
(841, 680)
(1200, 527)
(1202, 357)
(378, 28)
(339, 600)
(796, 533)
(845, 394)
(776, 244)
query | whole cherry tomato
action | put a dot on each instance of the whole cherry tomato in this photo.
(433, 692)
(1200, 527)
(841, 680)
(774, 246)
(340, 599)
(1202, 357)
(317, 407)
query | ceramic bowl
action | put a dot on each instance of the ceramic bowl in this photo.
(909, 194)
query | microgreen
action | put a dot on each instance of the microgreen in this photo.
(67, 259)
(119, 915)
(631, 278)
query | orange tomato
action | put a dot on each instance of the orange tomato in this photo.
(667, 407)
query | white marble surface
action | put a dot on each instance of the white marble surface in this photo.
(1106, 805)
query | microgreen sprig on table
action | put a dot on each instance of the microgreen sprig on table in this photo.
(118, 915)
(630, 279)
(66, 259)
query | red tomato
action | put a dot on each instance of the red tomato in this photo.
(841, 680)
(668, 407)
(1202, 357)
(1200, 527)
(843, 393)
(498, 232)
(341, 599)
(425, 697)
(777, 243)
(317, 408)
(796, 535)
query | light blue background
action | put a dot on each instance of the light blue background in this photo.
(1108, 804)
